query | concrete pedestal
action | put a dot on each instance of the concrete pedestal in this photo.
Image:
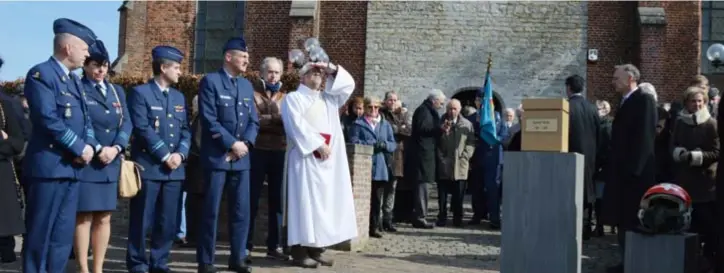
(676, 253)
(542, 212)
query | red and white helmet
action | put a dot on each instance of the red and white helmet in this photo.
(665, 208)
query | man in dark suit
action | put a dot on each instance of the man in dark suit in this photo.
(632, 164)
(420, 156)
(583, 139)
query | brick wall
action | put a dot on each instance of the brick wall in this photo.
(618, 41)
(683, 49)
(343, 28)
(150, 24)
(415, 46)
(266, 30)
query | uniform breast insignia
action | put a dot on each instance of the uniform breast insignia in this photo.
(157, 108)
(92, 102)
(68, 112)
(246, 104)
(36, 75)
(118, 107)
(179, 108)
(157, 124)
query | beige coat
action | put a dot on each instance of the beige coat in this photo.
(454, 150)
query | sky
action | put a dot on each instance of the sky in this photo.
(26, 35)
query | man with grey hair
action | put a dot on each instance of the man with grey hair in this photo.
(420, 156)
(632, 154)
(455, 148)
(268, 163)
(648, 88)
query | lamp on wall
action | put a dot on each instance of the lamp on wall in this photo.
(715, 53)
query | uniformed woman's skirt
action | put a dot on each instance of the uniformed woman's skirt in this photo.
(97, 196)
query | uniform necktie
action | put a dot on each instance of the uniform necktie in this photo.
(165, 92)
(101, 89)
(233, 81)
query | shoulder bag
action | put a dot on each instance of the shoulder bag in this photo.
(129, 182)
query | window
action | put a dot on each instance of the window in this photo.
(712, 32)
(216, 22)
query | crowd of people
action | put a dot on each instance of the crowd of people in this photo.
(70, 133)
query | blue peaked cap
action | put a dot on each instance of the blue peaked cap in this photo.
(64, 25)
(167, 52)
(98, 52)
(235, 44)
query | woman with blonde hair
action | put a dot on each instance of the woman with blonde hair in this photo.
(695, 146)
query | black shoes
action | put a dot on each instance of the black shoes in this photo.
(300, 257)
(422, 225)
(388, 227)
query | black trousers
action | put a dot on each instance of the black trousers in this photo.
(476, 187)
(378, 191)
(703, 222)
(7, 245)
(404, 199)
(456, 189)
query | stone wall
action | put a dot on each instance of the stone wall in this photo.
(415, 46)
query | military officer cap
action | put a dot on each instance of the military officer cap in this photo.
(167, 52)
(98, 52)
(64, 25)
(237, 43)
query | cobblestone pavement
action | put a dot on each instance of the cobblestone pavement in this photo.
(440, 250)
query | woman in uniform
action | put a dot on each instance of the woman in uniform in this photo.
(99, 180)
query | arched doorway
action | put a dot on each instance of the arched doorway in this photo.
(466, 96)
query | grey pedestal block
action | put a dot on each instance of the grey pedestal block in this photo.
(542, 212)
(661, 253)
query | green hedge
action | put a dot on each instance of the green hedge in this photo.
(188, 84)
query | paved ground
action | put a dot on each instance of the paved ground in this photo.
(440, 250)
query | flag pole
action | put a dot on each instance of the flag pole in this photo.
(490, 61)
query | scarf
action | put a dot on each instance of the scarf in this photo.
(272, 87)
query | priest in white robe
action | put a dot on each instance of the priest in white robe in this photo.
(319, 207)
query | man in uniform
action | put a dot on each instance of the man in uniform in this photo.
(229, 125)
(161, 143)
(62, 144)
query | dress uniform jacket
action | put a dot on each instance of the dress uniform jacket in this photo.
(228, 115)
(111, 125)
(160, 128)
(61, 129)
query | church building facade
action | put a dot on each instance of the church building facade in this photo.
(412, 46)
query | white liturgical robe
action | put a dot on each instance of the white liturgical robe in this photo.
(319, 202)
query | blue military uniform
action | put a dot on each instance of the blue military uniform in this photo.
(61, 131)
(112, 127)
(160, 129)
(228, 115)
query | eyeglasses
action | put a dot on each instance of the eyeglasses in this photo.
(373, 106)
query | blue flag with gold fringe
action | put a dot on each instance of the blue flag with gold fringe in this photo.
(488, 128)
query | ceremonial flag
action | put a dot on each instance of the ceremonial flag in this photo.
(488, 128)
